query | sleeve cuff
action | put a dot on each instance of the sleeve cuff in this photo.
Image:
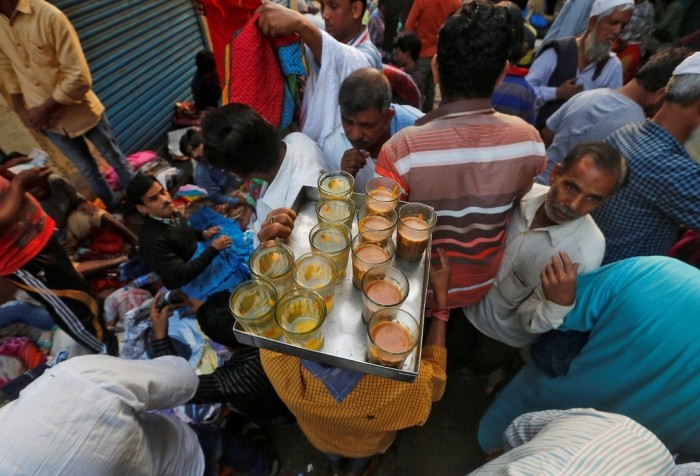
(549, 93)
(161, 347)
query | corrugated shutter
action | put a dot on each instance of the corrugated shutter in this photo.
(141, 56)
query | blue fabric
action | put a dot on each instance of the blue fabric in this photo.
(338, 382)
(404, 116)
(662, 193)
(641, 359)
(515, 96)
(30, 314)
(217, 182)
(572, 20)
(291, 62)
(223, 447)
(229, 267)
(553, 351)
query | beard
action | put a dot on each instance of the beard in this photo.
(595, 51)
(692, 145)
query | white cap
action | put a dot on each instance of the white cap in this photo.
(691, 65)
(601, 6)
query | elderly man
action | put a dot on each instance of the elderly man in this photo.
(332, 55)
(567, 66)
(46, 74)
(369, 119)
(664, 190)
(593, 115)
(550, 239)
(464, 159)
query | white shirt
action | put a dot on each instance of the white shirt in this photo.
(302, 165)
(88, 416)
(515, 309)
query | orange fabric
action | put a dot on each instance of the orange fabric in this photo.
(425, 18)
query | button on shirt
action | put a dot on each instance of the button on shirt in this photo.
(515, 309)
(41, 57)
(662, 193)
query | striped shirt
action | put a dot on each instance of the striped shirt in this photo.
(663, 192)
(470, 164)
(582, 442)
(366, 421)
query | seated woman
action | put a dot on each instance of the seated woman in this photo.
(640, 360)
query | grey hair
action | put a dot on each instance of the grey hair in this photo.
(364, 89)
(683, 89)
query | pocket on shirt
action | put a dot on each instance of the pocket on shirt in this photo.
(40, 54)
(514, 288)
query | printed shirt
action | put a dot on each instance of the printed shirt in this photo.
(663, 192)
(469, 163)
(367, 420)
(40, 58)
(24, 239)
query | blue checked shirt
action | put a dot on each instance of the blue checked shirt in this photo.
(663, 192)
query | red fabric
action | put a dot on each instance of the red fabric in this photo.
(256, 77)
(403, 88)
(23, 349)
(104, 242)
(224, 18)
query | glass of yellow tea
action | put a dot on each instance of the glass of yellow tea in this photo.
(382, 190)
(382, 287)
(332, 239)
(392, 334)
(369, 249)
(377, 217)
(273, 262)
(341, 210)
(253, 303)
(336, 184)
(300, 313)
(416, 223)
(316, 271)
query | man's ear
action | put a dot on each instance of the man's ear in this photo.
(390, 113)
(554, 173)
(357, 9)
(502, 75)
(434, 67)
(141, 209)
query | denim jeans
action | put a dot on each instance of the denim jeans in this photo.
(77, 151)
(25, 313)
(222, 447)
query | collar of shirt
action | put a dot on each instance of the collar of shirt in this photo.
(175, 220)
(531, 202)
(659, 136)
(23, 6)
(457, 108)
(361, 38)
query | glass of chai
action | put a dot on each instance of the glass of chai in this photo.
(336, 184)
(334, 240)
(273, 262)
(382, 287)
(369, 249)
(416, 223)
(383, 190)
(253, 303)
(377, 217)
(316, 271)
(392, 334)
(300, 313)
(336, 210)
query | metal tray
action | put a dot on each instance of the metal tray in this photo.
(344, 331)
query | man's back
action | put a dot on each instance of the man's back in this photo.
(469, 163)
(663, 192)
(588, 116)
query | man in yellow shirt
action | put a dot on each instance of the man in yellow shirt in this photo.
(46, 74)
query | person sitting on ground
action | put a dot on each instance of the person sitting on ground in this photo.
(205, 85)
(360, 421)
(369, 120)
(550, 239)
(640, 358)
(168, 244)
(577, 442)
(593, 115)
(77, 219)
(332, 55)
(240, 381)
(565, 67)
(406, 52)
(238, 139)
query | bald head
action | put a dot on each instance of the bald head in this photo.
(364, 89)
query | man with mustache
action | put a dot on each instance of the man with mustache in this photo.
(550, 239)
(567, 66)
(167, 242)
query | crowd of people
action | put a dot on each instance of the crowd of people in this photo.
(562, 179)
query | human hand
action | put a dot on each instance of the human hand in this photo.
(222, 242)
(559, 280)
(159, 319)
(188, 304)
(353, 160)
(30, 178)
(87, 208)
(210, 232)
(13, 162)
(276, 20)
(279, 223)
(568, 89)
(38, 117)
(440, 279)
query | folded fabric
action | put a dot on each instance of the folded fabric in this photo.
(339, 382)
